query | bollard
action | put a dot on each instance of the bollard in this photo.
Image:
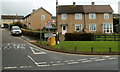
(110, 49)
(91, 49)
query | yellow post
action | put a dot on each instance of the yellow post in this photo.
(51, 41)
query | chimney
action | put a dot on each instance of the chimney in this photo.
(93, 3)
(74, 3)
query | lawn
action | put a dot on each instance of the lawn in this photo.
(85, 46)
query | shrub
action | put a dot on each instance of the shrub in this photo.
(79, 37)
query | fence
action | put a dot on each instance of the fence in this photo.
(107, 37)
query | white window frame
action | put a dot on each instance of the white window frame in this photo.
(80, 25)
(106, 15)
(92, 15)
(62, 15)
(42, 17)
(107, 25)
(76, 15)
(90, 27)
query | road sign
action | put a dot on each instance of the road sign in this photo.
(48, 23)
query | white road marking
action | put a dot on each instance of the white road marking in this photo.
(40, 52)
(42, 63)
(10, 67)
(25, 66)
(112, 58)
(93, 58)
(72, 62)
(66, 61)
(0, 48)
(106, 56)
(100, 59)
(81, 59)
(32, 60)
(58, 64)
(86, 61)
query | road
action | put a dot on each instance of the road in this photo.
(18, 54)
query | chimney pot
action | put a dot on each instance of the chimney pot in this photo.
(73, 3)
(93, 3)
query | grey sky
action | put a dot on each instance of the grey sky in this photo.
(24, 7)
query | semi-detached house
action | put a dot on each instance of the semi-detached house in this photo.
(90, 18)
(37, 19)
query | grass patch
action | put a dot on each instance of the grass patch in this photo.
(85, 46)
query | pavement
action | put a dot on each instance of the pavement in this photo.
(18, 54)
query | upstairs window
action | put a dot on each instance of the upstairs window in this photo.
(78, 16)
(64, 16)
(92, 16)
(42, 17)
(106, 15)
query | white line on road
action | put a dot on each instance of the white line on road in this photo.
(42, 63)
(72, 62)
(10, 67)
(100, 59)
(58, 64)
(112, 58)
(32, 59)
(94, 58)
(86, 61)
(106, 56)
(39, 52)
(81, 59)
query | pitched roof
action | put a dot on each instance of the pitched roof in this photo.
(37, 10)
(11, 17)
(69, 9)
(97, 8)
(84, 8)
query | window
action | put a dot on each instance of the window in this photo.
(15, 20)
(106, 15)
(78, 27)
(92, 16)
(42, 17)
(64, 16)
(92, 27)
(107, 28)
(10, 20)
(78, 16)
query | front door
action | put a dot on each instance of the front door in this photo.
(64, 29)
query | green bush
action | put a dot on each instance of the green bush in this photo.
(79, 37)
(34, 34)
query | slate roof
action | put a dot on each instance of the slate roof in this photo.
(11, 17)
(84, 9)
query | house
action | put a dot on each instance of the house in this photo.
(38, 19)
(6, 20)
(85, 18)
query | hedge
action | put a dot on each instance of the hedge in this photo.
(79, 37)
(31, 33)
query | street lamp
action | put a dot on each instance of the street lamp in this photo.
(57, 34)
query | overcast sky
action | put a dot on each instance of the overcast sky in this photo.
(24, 7)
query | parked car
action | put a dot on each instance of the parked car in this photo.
(15, 30)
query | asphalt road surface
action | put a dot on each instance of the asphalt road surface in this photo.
(18, 54)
